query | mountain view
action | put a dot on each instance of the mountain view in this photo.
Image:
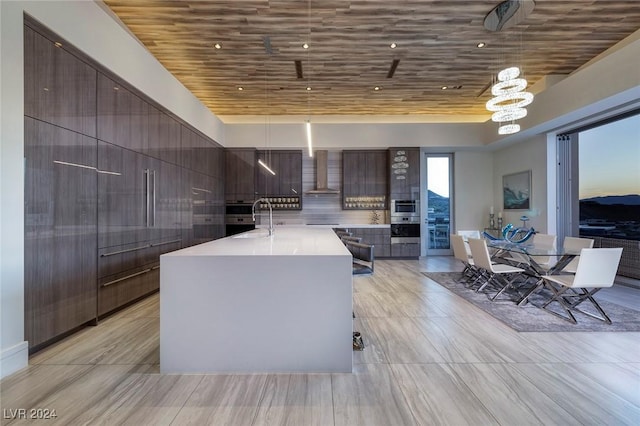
(616, 216)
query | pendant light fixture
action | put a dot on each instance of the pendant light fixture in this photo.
(267, 121)
(308, 123)
(510, 98)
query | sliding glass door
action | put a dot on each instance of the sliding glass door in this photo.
(438, 198)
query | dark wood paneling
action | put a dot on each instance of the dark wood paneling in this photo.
(287, 181)
(409, 187)
(123, 118)
(240, 172)
(365, 179)
(122, 196)
(60, 230)
(411, 250)
(164, 136)
(58, 87)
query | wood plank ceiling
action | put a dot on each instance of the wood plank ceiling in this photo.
(350, 52)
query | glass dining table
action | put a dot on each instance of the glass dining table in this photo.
(536, 260)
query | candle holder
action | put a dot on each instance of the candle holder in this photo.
(499, 222)
(492, 222)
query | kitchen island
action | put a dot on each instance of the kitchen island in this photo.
(254, 303)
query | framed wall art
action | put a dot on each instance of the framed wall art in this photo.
(516, 191)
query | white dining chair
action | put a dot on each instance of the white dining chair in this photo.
(460, 252)
(596, 269)
(501, 274)
(575, 243)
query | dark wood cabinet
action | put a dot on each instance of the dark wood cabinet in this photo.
(123, 117)
(164, 136)
(404, 173)
(104, 199)
(240, 175)
(405, 250)
(365, 180)
(284, 189)
(59, 88)
(60, 231)
(203, 214)
(379, 237)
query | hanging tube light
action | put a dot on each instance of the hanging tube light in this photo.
(309, 142)
(266, 167)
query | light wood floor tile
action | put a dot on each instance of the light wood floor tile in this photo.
(510, 397)
(588, 401)
(369, 397)
(456, 344)
(436, 396)
(296, 399)
(372, 353)
(28, 388)
(142, 399)
(120, 341)
(402, 340)
(622, 381)
(431, 357)
(223, 400)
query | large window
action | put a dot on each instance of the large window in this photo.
(609, 179)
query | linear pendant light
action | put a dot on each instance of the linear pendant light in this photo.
(266, 167)
(309, 142)
(308, 124)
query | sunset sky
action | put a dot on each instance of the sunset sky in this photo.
(610, 159)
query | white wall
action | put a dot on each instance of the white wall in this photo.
(529, 155)
(356, 135)
(13, 349)
(473, 193)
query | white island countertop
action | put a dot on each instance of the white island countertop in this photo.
(286, 241)
(254, 303)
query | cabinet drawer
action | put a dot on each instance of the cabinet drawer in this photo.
(114, 260)
(119, 289)
(405, 250)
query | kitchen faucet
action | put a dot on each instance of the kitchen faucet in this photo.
(253, 213)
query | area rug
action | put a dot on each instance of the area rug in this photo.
(532, 318)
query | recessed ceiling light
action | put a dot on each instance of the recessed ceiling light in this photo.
(217, 46)
(393, 45)
(116, 88)
(481, 44)
(240, 88)
(57, 44)
(445, 87)
(308, 87)
(376, 88)
(305, 46)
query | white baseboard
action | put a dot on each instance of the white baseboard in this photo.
(14, 358)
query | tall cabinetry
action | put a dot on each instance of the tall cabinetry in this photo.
(60, 190)
(111, 182)
(138, 193)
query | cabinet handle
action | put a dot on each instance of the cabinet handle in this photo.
(147, 196)
(154, 198)
(126, 278)
(125, 250)
(165, 242)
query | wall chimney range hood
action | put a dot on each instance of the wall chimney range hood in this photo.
(322, 175)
